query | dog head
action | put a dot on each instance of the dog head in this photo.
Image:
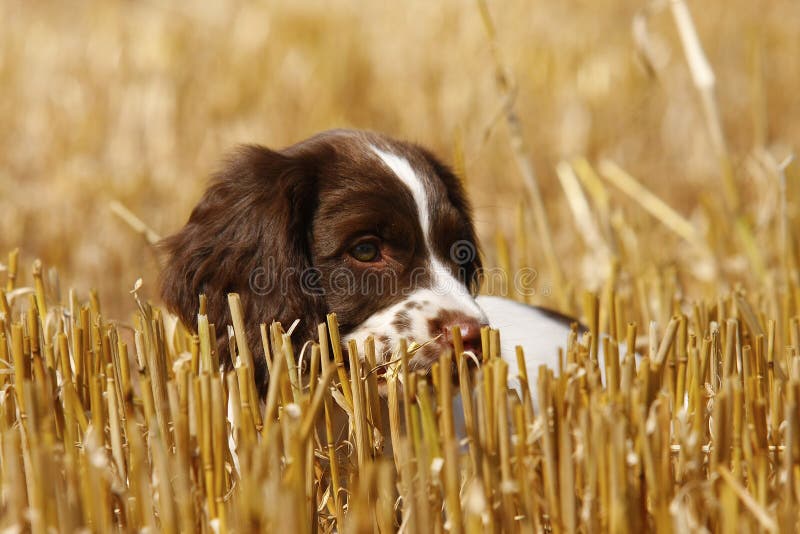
(376, 230)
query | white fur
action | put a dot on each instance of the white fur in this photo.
(445, 293)
(381, 323)
(453, 292)
(402, 169)
(444, 283)
(539, 335)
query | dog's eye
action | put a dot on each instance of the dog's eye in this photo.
(365, 252)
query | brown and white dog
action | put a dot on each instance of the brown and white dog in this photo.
(376, 230)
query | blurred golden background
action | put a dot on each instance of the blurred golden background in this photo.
(136, 102)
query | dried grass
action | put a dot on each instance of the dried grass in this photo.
(701, 432)
(117, 426)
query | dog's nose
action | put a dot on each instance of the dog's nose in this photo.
(470, 334)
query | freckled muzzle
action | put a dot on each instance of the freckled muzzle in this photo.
(427, 344)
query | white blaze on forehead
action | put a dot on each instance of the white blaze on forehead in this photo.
(402, 168)
(444, 283)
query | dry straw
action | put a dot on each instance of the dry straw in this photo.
(702, 431)
(688, 423)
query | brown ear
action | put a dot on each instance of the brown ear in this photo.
(249, 235)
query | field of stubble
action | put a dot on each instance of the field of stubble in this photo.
(670, 203)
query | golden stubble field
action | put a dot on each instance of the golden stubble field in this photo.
(138, 102)
(666, 215)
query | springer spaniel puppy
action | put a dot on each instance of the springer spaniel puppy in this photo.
(376, 230)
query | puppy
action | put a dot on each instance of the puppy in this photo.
(377, 230)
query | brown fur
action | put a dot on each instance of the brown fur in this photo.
(275, 222)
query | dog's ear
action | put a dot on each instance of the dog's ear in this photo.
(249, 234)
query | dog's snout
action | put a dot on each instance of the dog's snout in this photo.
(470, 333)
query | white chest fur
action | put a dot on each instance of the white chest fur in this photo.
(539, 334)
